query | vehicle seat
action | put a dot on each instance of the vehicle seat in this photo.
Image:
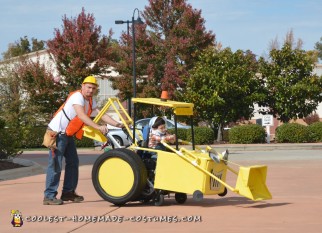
(147, 129)
(146, 133)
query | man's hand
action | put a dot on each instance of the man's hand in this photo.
(103, 129)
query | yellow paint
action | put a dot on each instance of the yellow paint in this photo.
(116, 177)
(251, 183)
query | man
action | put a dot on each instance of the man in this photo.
(67, 122)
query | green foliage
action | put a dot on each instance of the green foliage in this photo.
(11, 100)
(292, 133)
(9, 142)
(225, 135)
(318, 47)
(245, 134)
(292, 90)
(181, 133)
(85, 142)
(2, 123)
(223, 86)
(315, 130)
(203, 135)
(32, 137)
(29, 137)
(23, 47)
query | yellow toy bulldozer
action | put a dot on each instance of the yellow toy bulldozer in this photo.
(137, 173)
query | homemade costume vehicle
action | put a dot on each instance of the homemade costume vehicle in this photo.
(130, 174)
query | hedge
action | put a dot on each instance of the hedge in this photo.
(315, 131)
(292, 133)
(203, 135)
(245, 134)
(181, 133)
(32, 137)
(9, 143)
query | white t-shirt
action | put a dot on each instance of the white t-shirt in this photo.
(59, 122)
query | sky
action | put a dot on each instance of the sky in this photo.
(238, 24)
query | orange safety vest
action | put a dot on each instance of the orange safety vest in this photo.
(75, 125)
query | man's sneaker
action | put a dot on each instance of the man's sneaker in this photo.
(52, 201)
(71, 196)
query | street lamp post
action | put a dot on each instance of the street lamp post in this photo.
(133, 22)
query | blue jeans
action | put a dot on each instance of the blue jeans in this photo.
(65, 148)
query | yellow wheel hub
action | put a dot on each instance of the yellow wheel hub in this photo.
(116, 177)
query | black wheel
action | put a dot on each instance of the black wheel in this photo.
(119, 176)
(180, 197)
(159, 200)
(148, 193)
(197, 195)
(223, 193)
(119, 140)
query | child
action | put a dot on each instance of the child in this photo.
(159, 133)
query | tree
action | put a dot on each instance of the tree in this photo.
(23, 47)
(166, 48)
(79, 49)
(29, 93)
(43, 91)
(10, 97)
(223, 86)
(292, 90)
(318, 47)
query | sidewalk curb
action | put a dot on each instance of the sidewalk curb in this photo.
(31, 168)
(267, 147)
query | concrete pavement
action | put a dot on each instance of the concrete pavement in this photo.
(294, 183)
(33, 168)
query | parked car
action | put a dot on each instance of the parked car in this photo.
(170, 124)
(118, 135)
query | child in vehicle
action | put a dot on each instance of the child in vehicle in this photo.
(159, 133)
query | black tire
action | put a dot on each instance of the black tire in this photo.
(180, 197)
(119, 176)
(119, 140)
(223, 193)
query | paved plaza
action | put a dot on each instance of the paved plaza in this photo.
(294, 179)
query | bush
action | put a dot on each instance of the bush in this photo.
(315, 131)
(9, 143)
(2, 124)
(181, 133)
(225, 135)
(245, 134)
(292, 133)
(33, 137)
(203, 135)
(85, 142)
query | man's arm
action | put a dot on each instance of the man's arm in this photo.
(109, 120)
(87, 120)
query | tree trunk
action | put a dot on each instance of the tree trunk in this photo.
(219, 133)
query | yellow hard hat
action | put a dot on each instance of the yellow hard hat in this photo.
(90, 79)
